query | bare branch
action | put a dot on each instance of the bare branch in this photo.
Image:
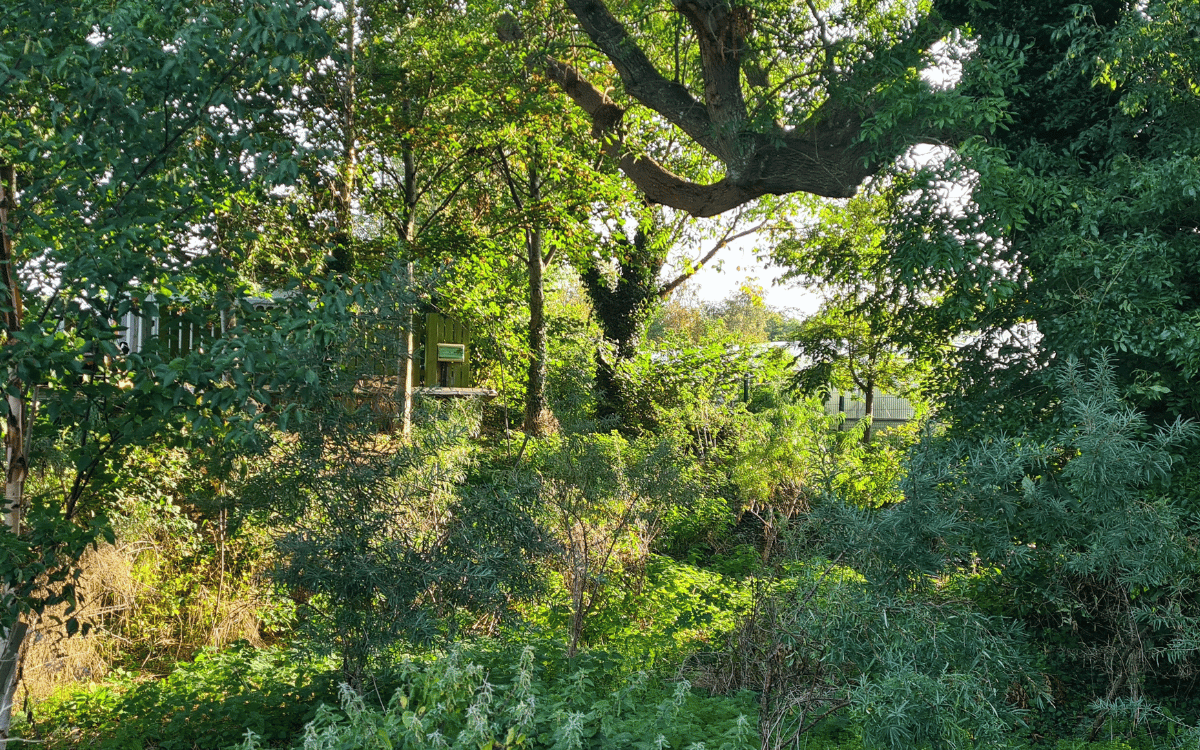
(727, 238)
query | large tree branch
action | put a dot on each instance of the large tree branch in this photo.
(824, 158)
(825, 155)
(721, 30)
(642, 80)
(659, 184)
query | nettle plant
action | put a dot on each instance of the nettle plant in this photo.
(455, 702)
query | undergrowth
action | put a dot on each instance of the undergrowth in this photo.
(454, 702)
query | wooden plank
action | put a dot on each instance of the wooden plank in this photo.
(437, 392)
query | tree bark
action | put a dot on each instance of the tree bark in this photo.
(405, 376)
(343, 236)
(535, 388)
(537, 418)
(869, 409)
(621, 310)
(10, 667)
(15, 444)
(409, 236)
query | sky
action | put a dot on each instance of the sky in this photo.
(736, 266)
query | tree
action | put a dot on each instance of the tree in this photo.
(1079, 235)
(1078, 529)
(624, 284)
(551, 185)
(868, 334)
(527, 195)
(1077, 243)
(386, 543)
(747, 318)
(793, 99)
(466, 166)
(843, 349)
(128, 127)
(604, 499)
(420, 139)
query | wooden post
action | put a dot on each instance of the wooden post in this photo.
(405, 379)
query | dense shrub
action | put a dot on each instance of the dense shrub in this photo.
(207, 703)
(456, 701)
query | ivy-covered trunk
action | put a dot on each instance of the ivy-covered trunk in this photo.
(621, 306)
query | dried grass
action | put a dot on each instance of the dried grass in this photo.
(110, 595)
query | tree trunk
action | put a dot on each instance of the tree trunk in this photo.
(16, 440)
(622, 310)
(409, 236)
(537, 417)
(535, 389)
(343, 235)
(869, 409)
(405, 377)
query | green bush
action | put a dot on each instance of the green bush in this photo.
(385, 542)
(207, 703)
(832, 656)
(607, 500)
(456, 701)
(659, 614)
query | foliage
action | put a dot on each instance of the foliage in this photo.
(1076, 244)
(822, 646)
(454, 701)
(383, 542)
(1078, 239)
(1080, 528)
(127, 127)
(1044, 549)
(873, 330)
(181, 576)
(794, 454)
(747, 319)
(659, 612)
(696, 387)
(742, 318)
(630, 277)
(572, 344)
(207, 703)
(605, 498)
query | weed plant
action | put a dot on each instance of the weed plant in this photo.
(206, 703)
(180, 575)
(657, 615)
(454, 702)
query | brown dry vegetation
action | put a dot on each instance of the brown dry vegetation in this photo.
(134, 620)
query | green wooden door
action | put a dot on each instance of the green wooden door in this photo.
(447, 352)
